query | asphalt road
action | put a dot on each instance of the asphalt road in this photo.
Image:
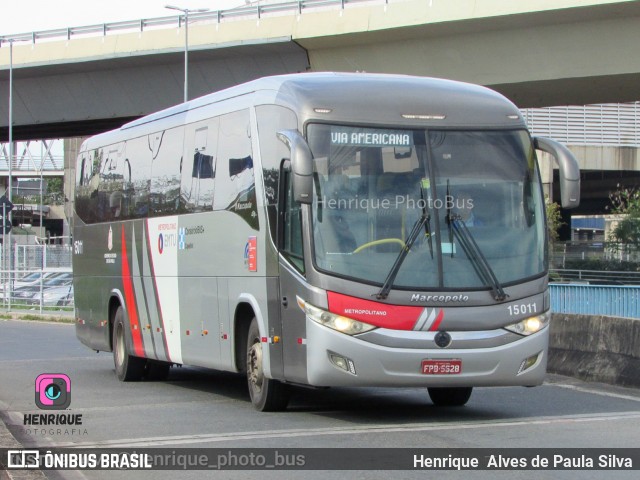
(200, 408)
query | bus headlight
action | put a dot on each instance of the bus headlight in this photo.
(339, 323)
(530, 325)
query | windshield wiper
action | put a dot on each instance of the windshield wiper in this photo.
(423, 221)
(478, 260)
(427, 228)
(449, 218)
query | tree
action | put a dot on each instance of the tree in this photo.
(55, 191)
(626, 202)
(554, 220)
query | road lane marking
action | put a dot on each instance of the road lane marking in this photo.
(366, 429)
(602, 393)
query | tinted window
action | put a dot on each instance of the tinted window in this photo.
(199, 166)
(271, 120)
(235, 180)
(165, 150)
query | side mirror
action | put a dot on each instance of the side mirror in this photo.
(301, 165)
(569, 170)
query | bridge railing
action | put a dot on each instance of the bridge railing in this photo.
(33, 156)
(615, 301)
(216, 16)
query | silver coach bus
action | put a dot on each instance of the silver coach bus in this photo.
(321, 229)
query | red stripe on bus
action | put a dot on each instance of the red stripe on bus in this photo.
(130, 300)
(438, 321)
(396, 317)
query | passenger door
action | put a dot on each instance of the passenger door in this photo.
(292, 281)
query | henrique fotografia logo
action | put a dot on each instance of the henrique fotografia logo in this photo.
(53, 391)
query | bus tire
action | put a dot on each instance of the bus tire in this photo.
(128, 367)
(450, 396)
(267, 395)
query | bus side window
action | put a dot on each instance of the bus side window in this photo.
(290, 224)
(272, 119)
(199, 168)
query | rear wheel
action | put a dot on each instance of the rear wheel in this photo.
(450, 396)
(267, 395)
(128, 367)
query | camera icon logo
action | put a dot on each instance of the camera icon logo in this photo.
(53, 391)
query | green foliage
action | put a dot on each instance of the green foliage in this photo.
(554, 219)
(55, 185)
(53, 195)
(626, 201)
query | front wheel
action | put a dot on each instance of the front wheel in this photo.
(450, 396)
(128, 367)
(267, 395)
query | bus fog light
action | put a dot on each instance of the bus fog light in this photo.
(343, 363)
(530, 325)
(529, 362)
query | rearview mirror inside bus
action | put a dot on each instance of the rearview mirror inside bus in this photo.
(301, 165)
(402, 152)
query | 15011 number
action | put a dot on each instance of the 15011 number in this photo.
(522, 309)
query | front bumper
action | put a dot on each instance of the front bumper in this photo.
(396, 361)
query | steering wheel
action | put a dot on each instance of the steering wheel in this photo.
(382, 241)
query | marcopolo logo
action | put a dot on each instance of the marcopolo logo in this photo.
(53, 391)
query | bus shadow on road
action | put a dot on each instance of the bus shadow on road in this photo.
(358, 405)
(369, 405)
(230, 385)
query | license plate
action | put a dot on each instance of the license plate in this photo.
(442, 367)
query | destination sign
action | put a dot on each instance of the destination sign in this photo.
(370, 137)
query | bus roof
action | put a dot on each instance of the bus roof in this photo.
(362, 98)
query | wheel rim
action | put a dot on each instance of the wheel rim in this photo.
(256, 375)
(119, 347)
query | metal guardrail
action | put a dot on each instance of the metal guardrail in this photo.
(564, 255)
(216, 16)
(615, 301)
(594, 277)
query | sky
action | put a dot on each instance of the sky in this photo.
(23, 16)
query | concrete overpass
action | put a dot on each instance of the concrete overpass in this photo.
(537, 52)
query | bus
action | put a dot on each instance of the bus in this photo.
(321, 230)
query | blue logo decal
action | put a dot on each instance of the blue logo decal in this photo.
(181, 238)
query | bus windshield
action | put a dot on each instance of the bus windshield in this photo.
(474, 195)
